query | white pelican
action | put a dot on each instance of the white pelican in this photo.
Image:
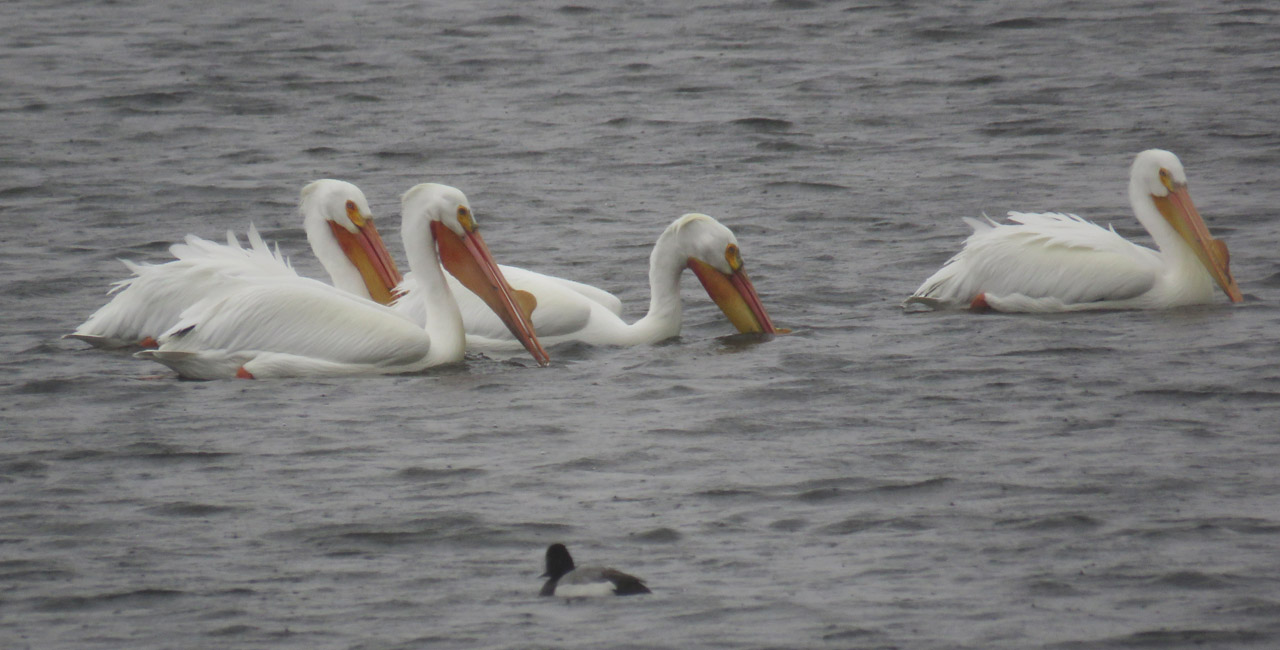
(1059, 262)
(339, 227)
(567, 311)
(300, 327)
(567, 581)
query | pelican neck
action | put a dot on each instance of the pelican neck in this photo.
(443, 321)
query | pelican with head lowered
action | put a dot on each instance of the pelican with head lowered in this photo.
(304, 328)
(567, 311)
(1059, 262)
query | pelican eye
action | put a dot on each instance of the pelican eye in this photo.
(733, 257)
(353, 213)
(465, 219)
(1166, 179)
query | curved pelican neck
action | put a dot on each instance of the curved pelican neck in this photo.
(1172, 248)
(443, 320)
(666, 264)
(1183, 276)
(342, 272)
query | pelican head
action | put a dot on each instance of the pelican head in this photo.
(337, 211)
(1158, 174)
(464, 254)
(713, 255)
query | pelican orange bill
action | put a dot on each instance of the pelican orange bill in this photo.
(736, 297)
(369, 255)
(468, 259)
(1182, 214)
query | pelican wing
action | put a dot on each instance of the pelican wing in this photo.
(151, 301)
(259, 260)
(1054, 257)
(597, 295)
(301, 326)
(563, 306)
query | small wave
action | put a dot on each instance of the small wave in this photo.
(1257, 607)
(1053, 589)
(1067, 351)
(925, 485)
(1026, 23)
(1056, 522)
(458, 32)
(806, 186)
(439, 474)
(168, 453)
(1192, 638)
(144, 101)
(44, 386)
(1181, 396)
(17, 191)
(789, 525)
(694, 90)
(859, 524)
(943, 35)
(32, 468)
(794, 4)
(1021, 128)
(414, 156)
(784, 146)
(233, 630)
(16, 571)
(1261, 12)
(1194, 580)
(764, 124)
(659, 535)
(360, 98)
(120, 600)
(983, 80)
(666, 392)
(849, 634)
(506, 20)
(585, 464)
(188, 509)
(339, 539)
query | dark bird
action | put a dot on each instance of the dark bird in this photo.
(566, 581)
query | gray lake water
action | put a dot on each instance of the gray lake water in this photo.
(875, 479)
